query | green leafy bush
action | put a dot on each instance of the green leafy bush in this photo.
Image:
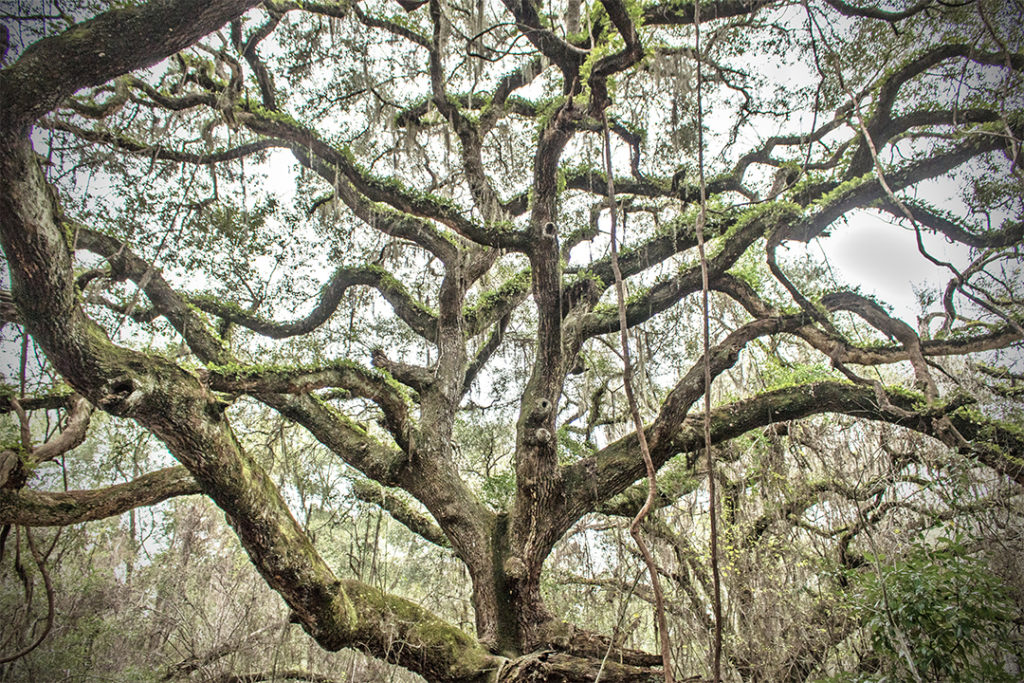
(938, 614)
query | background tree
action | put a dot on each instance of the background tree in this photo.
(280, 235)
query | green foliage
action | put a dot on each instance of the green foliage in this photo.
(778, 374)
(237, 225)
(498, 489)
(571, 447)
(938, 612)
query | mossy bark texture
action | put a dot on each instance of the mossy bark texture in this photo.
(504, 551)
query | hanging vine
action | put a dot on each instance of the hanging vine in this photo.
(716, 649)
(627, 380)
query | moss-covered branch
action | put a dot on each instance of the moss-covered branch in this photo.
(744, 231)
(45, 508)
(675, 13)
(882, 126)
(361, 190)
(111, 44)
(125, 264)
(996, 444)
(419, 318)
(401, 511)
(157, 152)
(354, 378)
(829, 202)
(51, 401)
(1012, 232)
(495, 304)
(843, 350)
(567, 56)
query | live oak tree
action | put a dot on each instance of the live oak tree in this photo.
(443, 253)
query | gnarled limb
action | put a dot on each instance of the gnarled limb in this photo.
(46, 508)
(665, 294)
(160, 153)
(401, 511)
(616, 466)
(172, 305)
(357, 380)
(336, 168)
(420, 319)
(102, 48)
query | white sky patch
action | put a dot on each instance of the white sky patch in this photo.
(883, 259)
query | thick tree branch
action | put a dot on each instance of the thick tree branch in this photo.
(390, 26)
(1011, 233)
(412, 312)
(881, 126)
(843, 351)
(682, 13)
(16, 463)
(611, 64)
(875, 13)
(566, 56)
(428, 479)
(496, 304)
(45, 508)
(876, 316)
(334, 165)
(862, 191)
(159, 153)
(416, 377)
(995, 444)
(93, 52)
(359, 381)
(416, 522)
(263, 76)
(172, 102)
(664, 295)
(125, 264)
(51, 401)
(70, 437)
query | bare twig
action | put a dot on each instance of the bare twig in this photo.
(40, 561)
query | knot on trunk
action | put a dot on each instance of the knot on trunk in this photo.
(515, 568)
